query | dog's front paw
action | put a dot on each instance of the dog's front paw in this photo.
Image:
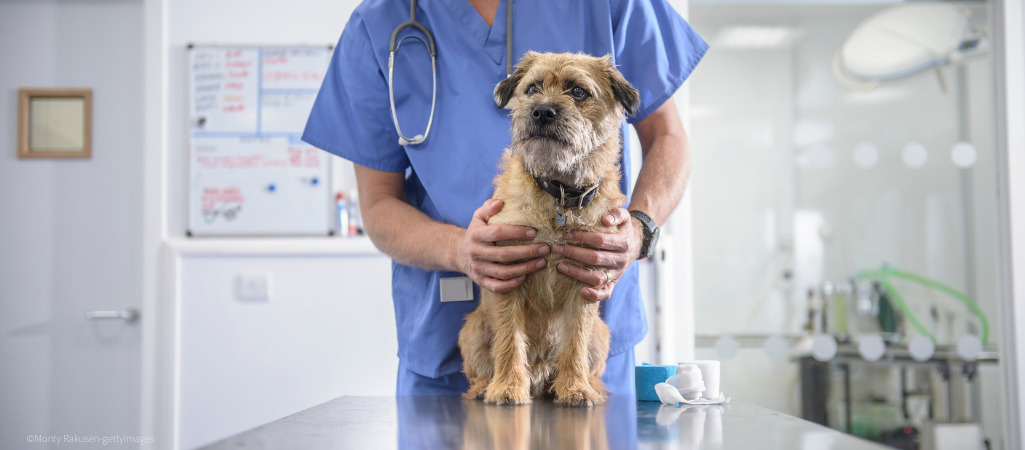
(578, 396)
(507, 395)
(477, 388)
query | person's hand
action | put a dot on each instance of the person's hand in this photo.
(611, 255)
(498, 268)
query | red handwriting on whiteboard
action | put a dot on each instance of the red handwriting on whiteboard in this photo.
(229, 162)
(279, 76)
(212, 197)
(295, 156)
(274, 60)
(304, 157)
(225, 203)
(233, 104)
(312, 158)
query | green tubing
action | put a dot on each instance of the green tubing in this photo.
(885, 273)
(902, 306)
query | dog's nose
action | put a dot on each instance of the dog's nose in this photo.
(543, 114)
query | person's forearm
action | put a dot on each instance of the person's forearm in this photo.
(410, 237)
(663, 177)
(666, 167)
(401, 231)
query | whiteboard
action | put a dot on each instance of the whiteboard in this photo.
(249, 171)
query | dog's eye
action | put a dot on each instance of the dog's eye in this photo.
(532, 89)
(578, 93)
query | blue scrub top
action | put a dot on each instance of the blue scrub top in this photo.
(450, 175)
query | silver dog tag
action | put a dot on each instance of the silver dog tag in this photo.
(560, 215)
(456, 289)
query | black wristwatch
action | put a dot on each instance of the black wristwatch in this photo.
(650, 234)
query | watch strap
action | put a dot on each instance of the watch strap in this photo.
(650, 229)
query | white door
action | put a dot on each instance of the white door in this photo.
(71, 230)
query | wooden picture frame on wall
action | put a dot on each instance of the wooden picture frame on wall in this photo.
(55, 123)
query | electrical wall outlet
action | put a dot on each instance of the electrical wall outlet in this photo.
(252, 286)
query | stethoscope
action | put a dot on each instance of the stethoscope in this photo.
(393, 47)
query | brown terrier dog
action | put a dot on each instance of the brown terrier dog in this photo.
(561, 173)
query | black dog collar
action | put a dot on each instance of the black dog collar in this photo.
(568, 196)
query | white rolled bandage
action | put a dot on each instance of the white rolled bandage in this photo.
(688, 381)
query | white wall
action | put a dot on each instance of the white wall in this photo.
(324, 332)
(328, 327)
(70, 230)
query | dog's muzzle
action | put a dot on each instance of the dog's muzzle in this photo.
(543, 114)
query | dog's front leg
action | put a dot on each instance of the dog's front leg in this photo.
(475, 346)
(572, 385)
(510, 383)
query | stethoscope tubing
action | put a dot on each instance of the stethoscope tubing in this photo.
(420, 138)
(393, 46)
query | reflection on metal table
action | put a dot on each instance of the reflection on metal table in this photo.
(452, 422)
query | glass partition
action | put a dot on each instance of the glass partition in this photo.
(826, 207)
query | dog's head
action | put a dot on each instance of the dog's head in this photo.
(564, 107)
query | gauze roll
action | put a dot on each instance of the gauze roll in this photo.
(709, 369)
(694, 383)
(668, 393)
(689, 381)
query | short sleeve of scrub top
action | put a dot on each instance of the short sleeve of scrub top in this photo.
(655, 49)
(351, 116)
(449, 176)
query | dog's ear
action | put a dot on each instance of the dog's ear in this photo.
(505, 89)
(625, 94)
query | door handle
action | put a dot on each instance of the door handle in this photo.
(128, 315)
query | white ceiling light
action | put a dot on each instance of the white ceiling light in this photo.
(755, 37)
(903, 41)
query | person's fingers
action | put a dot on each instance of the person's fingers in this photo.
(587, 256)
(595, 278)
(616, 217)
(508, 254)
(505, 272)
(500, 286)
(495, 233)
(598, 294)
(604, 241)
(488, 209)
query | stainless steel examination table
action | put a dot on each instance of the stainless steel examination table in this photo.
(451, 422)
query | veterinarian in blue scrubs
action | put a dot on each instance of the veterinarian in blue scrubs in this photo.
(419, 201)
